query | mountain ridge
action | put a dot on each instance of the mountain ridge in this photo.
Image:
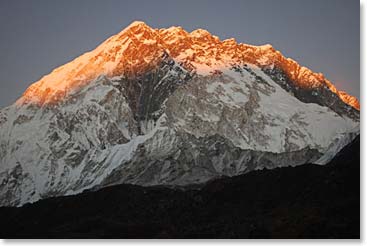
(175, 41)
(132, 111)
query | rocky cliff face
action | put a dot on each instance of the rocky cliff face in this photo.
(165, 106)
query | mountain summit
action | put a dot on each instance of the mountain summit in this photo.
(167, 107)
(138, 48)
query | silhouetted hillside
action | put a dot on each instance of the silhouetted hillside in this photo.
(307, 201)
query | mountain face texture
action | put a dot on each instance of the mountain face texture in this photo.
(321, 202)
(167, 107)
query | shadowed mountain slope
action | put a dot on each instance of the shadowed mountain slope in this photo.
(307, 201)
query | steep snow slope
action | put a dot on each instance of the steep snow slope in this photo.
(165, 106)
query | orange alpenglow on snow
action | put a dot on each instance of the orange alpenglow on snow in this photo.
(139, 48)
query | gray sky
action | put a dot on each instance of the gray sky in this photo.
(39, 35)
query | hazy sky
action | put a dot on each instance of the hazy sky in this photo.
(39, 35)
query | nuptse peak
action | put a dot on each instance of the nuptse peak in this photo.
(167, 107)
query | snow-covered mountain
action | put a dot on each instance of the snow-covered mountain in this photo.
(164, 106)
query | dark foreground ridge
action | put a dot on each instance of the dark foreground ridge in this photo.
(307, 201)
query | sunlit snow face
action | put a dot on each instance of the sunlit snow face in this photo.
(139, 48)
